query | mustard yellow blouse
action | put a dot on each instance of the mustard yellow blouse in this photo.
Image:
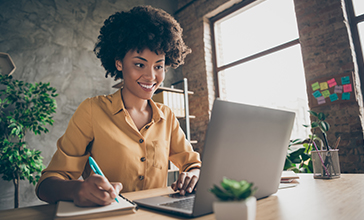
(101, 127)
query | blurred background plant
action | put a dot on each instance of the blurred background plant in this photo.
(23, 107)
(298, 156)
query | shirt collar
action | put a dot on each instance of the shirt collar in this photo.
(117, 102)
(157, 113)
(118, 106)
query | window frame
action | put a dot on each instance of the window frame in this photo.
(224, 14)
(353, 24)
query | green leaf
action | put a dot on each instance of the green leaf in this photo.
(23, 107)
(321, 116)
(223, 195)
(314, 124)
(324, 126)
(233, 190)
(305, 157)
(313, 113)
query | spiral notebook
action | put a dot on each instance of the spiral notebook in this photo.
(67, 209)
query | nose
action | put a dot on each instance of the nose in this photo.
(150, 73)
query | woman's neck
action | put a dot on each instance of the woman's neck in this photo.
(132, 102)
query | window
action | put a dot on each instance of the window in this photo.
(355, 11)
(258, 58)
(358, 7)
(359, 19)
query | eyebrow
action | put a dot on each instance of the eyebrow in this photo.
(147, 60)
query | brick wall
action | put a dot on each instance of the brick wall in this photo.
(198, 68)
(327, 51)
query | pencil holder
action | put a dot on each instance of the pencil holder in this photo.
(325, 164)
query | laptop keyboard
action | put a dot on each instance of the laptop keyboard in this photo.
(186, 204)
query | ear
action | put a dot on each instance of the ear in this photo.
(118, 65)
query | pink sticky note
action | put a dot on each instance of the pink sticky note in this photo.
(332, 82)
(347, 88)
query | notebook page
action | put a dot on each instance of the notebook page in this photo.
(66, 209)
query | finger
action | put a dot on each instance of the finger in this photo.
(181, 180)
(101, 197)
(174, 186)
(192, 184)
(186, 183)
(117, 186)
(102, 190)
(104, 184)
(91, 195)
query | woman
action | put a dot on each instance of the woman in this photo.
(129, 136)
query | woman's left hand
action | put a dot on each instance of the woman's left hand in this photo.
(186, 181)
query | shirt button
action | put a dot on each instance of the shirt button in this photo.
(141, 177)
(142, 159)
(141, 141)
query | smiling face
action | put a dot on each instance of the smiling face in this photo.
(143, 72)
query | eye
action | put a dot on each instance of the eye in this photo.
(159, 67)
(139, 65)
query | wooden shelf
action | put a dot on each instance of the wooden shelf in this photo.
(160, 89)
(7, 66)
(183, 117)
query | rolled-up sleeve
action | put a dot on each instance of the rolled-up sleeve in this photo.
(182, 154)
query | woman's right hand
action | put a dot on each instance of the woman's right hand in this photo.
(95, 190)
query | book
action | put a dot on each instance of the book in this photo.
(66, 209)
(288, 176)
(180, 105)
(174, 100)
(161, 97)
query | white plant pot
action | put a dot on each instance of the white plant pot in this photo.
(242, 210)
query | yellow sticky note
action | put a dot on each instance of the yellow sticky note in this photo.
(325, 93)
(323, 86)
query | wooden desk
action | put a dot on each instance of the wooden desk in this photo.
(341, 198)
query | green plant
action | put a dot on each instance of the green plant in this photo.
(233, 190)
(299, 159)
(23, 107)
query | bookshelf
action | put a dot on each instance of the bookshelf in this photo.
(173, 171)
(185, 93)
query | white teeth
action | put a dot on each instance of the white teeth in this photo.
(146, 86)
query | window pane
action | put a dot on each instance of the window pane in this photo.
(361, 35)
(358, 7)
(256, 29)
(276, 80)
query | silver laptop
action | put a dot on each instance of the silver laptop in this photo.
(243, 142)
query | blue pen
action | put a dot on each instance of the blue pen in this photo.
(97, 170)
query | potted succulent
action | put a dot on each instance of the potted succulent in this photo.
(236, 200)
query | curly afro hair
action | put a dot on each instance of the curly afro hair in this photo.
(141, 27)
